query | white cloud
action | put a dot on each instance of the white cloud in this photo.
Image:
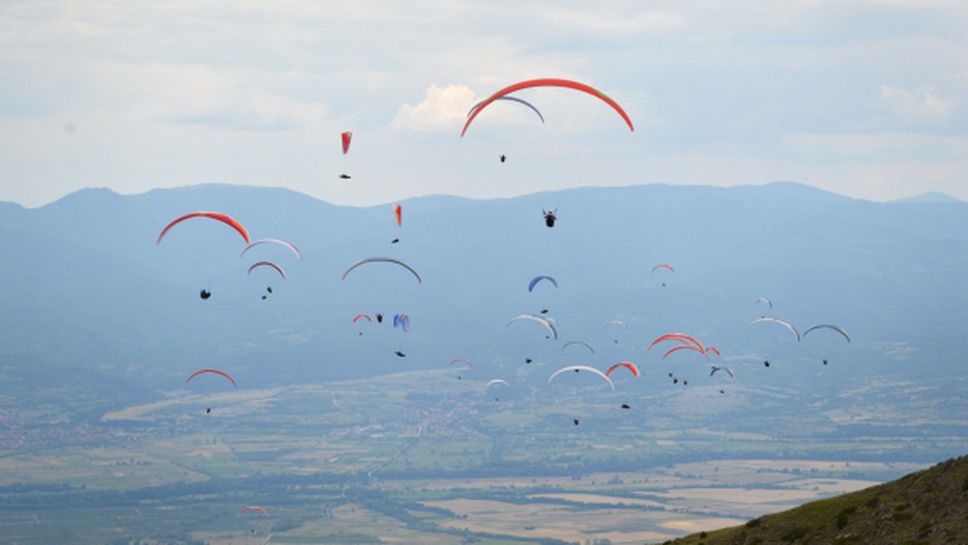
(834, 94)
(921, 105)
(441, 108)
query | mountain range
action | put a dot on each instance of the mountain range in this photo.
(86, 287)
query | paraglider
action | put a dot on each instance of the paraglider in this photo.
(784, 323)
(550, 217)
(663, 266)
(713, 349)
(495, 382)
(766, 363)
(626, 364)
(362, 315)
(398, 214)
(615, 322)
(681, 337)
(270, 264)
(383, 260)
(578, 343)
(683, 347)
(455, 361)
(403, 321)
(224, 218)
(576, 421)
(765, 300)
(510, 99)
(345, 139)
(836, 328)
(547, 323)
(625, 406)
(715, 368)
(212, 372)
(503, 158)
(379, 318)
(208, 410)
(536, 279)
(394, 241)
(825, 362)
(400, 354)
(548, 82)
(528, 360)
(204, 294)
(285, 244)
(578, 368)
(255, 508)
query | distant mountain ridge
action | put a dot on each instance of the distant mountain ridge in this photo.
(924, 508)
(929, 197)
(92, 289)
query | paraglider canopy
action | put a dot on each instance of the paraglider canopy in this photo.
(218, 216)
(578, 343)
(548, 82)
(382, 260)
(578, 368)
(547, 323)
(509, 99)
(836, 328)
(626, 364)
(255, 508)
(534, 282)
(212, 372)
(269, 264)
(784, 323)
(345, 139)
(284, 243)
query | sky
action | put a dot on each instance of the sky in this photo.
(865, 99)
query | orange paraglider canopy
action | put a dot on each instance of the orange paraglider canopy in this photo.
(549, 82)
(224, 218)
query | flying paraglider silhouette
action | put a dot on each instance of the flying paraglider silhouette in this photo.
(550, 217)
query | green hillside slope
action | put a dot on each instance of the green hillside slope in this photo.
(925, 508)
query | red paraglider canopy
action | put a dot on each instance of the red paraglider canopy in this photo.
(213, 372)
(346, 138)
(224, 218)
(683, 347)
(255, 508)
(681, 337)
(398, 213)
(626, 364)
(549, 82)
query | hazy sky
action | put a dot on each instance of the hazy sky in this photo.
(862, 98)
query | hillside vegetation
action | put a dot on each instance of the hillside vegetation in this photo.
(925, 508)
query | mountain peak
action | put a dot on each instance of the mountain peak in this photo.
(930, 196)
